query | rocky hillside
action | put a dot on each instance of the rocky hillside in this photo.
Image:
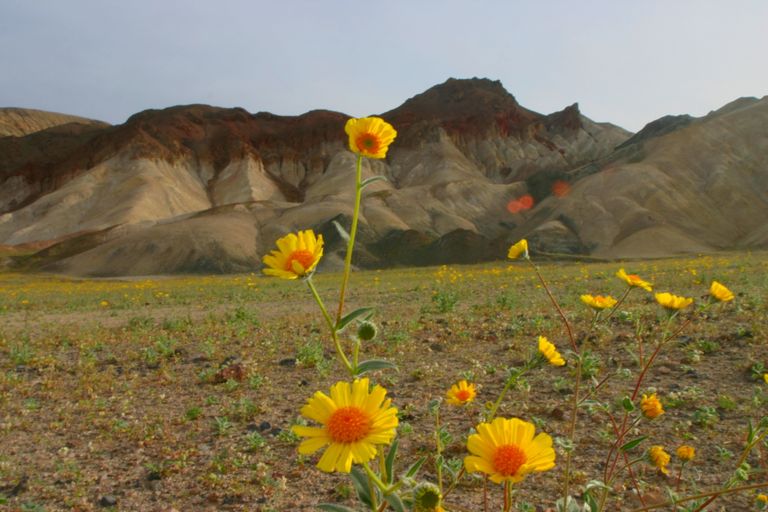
(18, 122)
(203, 189)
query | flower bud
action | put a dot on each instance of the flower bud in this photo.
(366, 331)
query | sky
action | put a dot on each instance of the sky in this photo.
(625, 62)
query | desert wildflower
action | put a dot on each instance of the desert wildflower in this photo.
(520, 248)
(762, 499)
(634, 280)
(720, 292)
(507, 450)
(550, 353)
(659, 458)
(296, 256)
(765, 377)
(104, 304)
(354, 419)
(427, 498)
(673, 302)
(598, 302)
(686, 453)
(461, 393)
(651, 406)
(370, 136)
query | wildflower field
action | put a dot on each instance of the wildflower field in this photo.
(181, 393)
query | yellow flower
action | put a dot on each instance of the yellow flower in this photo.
(633, 280)
(651, 406)
(549, 351)
(519, 248)
(370, 136)
(297, 255)
(659, 458)
(673, 302)
(461, 393)
(104, 304)
(762, 498)
(354, 421)
(765, 377)
(720, 292)
(598, 302)
(507, 450)
(686, 453)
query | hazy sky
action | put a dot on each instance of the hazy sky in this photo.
(627, 62)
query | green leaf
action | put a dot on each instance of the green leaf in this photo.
(346, 319)
(342, 232)
(374, 364)
(597, 484)
(372, 179)
(590, 501)
(389, 462)
(331, 507)
(627, 404)
(395, 502)
(415, 467)
(360, 482)
(633, 443)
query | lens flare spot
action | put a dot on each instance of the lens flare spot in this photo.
(561, 188)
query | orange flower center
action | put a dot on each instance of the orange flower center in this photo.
(634, 278)
(303, 256)
(368, 143)
(348, 425)
(463, 395)
(508, 459)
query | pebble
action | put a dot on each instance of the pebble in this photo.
(107, 501)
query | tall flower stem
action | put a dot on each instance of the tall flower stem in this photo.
(572, 432)
(331, 326)
(352, 233)
(571, 337)
(507, 496)
(616, 306)
(719, 492)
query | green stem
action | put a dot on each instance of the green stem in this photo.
(572, 431)
(331, 326)
(352, 233)
(507, 496)
(439, 450)
(510, 381)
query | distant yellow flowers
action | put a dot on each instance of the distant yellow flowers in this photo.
(651, 406)
(634, 280)
(370, 136)
(296, 256)
(673, 302)
(506, 450)
(354, 419)
(720, 292)
(518, 249)
(686, 453)
(461, 393)
(598, 302)
(659, 458)
(550, 353)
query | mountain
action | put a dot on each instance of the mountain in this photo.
(203, 189)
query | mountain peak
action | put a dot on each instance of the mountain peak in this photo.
(463, 105)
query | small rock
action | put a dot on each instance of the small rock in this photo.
(107, 501)
(264, 426)
(288, 362)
